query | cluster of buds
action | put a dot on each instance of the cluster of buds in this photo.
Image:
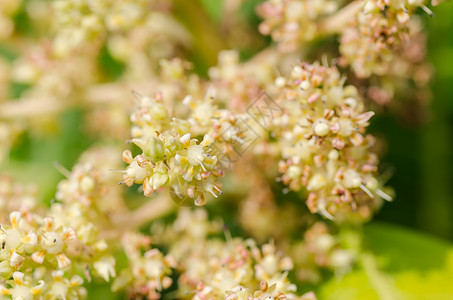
(134, 31)
(172, 155)
(92, 182)
(220, 266)
(84, 21)
(265, 292)
(37, 249)
(368, 43)
(402, 10)
(292, 22)
(56, 286)
(321, 250)
(324, 145)
(41, 250)
(213, 266)
(372, 39)
(15, 196)
(146, 275)
(237, 83)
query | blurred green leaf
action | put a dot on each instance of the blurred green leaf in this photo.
(404, 265)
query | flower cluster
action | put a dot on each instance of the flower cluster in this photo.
(324, 145)
(368, 43)
(146, 274)
(172, 155)
(29, 242)
(82, 21)
(211, 267)
(92, 182)
(134, 31)
(320, 250)
(15, 196)
(292, 22)
(265, 292)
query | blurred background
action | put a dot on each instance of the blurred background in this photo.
(418, 147)
(419, 153)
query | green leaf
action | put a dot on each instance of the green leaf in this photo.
(397, 264)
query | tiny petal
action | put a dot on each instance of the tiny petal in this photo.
(18, 278)
(37, 289)
(38, 257)
(15, 217)
(16, 260)
(31, 238)
(63, 261)
(69, 233)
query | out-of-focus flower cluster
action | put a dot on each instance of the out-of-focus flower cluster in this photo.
(292, 22)
(321, 250)
(16, 197)
(147, 274)
(136, 33)
(323, 141)
(8, 9)
(214, 268)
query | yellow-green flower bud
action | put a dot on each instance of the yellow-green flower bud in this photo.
(154, 149)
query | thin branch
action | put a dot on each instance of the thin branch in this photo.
(336, 23)
(153, 209)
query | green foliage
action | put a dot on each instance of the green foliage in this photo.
(406, 265)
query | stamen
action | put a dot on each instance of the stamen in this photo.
(63, 171)
(367, 191)
(383, 195)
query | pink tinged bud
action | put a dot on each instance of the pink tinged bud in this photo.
(357, 139)
(38, 257)
(316, 80)
(328, 113)
(263, 286)
(141, 161)
(166, 282)
(127, 156)
(313, 98)
(363, 118)
(63, 261)
(335, 128)
(318, 160)
(170, 261)
(205, 175)
(147, 187)
(368, 168)
(338, 143)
